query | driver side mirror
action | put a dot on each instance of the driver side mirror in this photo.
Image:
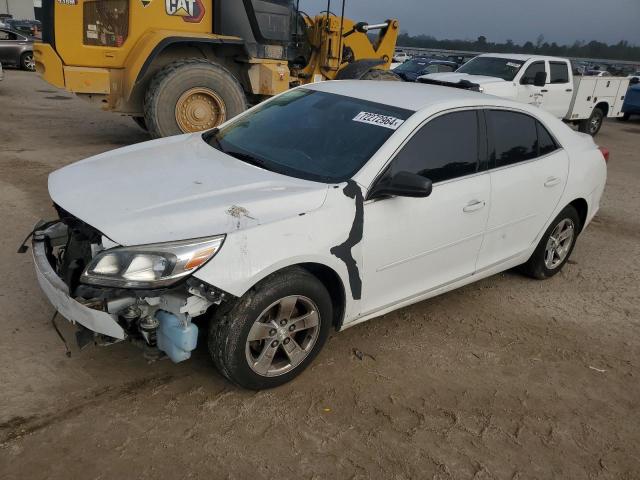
(402, 184)
(540, 80)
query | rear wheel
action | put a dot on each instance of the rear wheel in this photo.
(273, 332)
(555, 246)
(381, 76)
(190, 96)
(593, 124)
(625, 117)
(27, 62)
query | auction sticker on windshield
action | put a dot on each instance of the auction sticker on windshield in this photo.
(385, 121)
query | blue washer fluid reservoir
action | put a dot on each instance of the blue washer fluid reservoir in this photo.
(174, 339)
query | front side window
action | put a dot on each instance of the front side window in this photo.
(516, 137)
(445, 148)
(445, 68)
(310, 134)
(559, 72)
(531, 72)
(499, 67)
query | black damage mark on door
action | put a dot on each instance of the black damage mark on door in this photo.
(343, 251)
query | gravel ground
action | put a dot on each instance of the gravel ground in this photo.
(508, 378)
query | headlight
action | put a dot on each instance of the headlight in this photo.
(150, 266)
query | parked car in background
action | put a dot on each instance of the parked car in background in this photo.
(32, 28)
(400, 57)
(631, 104)
(634, 75)
(416, 67)
(16, 48)
(547, 82)
(324, 207)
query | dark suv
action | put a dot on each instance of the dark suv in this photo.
(16, 48)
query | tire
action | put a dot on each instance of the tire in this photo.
(27, 62)
(381, 76)
(238, 358)
(625, 117)
(593, 124)
(216, 90)
(140, 121)
(537, 266)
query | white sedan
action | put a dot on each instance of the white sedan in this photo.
(324, 207)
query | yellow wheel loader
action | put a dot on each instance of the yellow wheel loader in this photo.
(180, 66)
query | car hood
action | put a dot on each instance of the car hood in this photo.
(453, 77)
(177, 188)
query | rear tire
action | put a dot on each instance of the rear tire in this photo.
(255, 328)
(625, 117)
(27, 62)
(381, 76)
(593, 124)
(190, 96)
(551, 254)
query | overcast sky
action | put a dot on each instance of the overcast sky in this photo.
(561, 21)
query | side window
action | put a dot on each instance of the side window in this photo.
(7, 35)
(530, 73)
(514, 137)
(546, 143)
(445, 148)
(445, 68)
(559, 72)
(431, 69)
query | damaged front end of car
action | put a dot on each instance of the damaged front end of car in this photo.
(145, 294)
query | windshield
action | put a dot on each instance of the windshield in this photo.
(310, 134)
(503, 68)
(412, 66)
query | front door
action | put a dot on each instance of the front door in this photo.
(527, 91)
(528, 173)
(414, 245)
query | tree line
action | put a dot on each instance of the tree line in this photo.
(593, 49)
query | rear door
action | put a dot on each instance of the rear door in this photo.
(559, 89)
(528, 174)
(9, 47)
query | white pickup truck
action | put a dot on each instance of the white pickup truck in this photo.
(547, 82)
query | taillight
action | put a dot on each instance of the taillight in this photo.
(605, 153)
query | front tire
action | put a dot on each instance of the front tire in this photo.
(190, 96)
(555, 246)
(271, 334)
(593, 124)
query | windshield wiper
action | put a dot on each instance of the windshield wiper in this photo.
(248, 158)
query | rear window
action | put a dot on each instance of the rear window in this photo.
(559, 72)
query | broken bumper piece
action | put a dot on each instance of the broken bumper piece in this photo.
(58, 294)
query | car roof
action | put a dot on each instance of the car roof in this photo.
(522, 57)
(406, 95)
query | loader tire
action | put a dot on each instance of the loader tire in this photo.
(381, 76)
(190, 96)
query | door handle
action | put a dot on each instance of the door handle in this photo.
(544, 91)
(473, 206)
(569, 90)
(552, 182)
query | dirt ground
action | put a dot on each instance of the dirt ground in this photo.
(508, 378)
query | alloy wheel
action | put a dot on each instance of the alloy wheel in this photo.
(559, 244)
(283, 336)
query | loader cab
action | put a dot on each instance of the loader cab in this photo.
(267, 26)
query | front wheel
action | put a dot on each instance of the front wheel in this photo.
(593, 124)
(273, 332)
(555, 246)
